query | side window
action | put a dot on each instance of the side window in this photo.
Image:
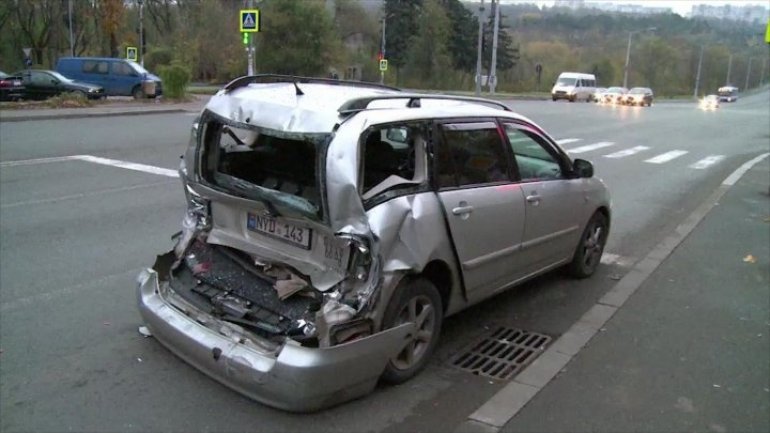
(103, 68)
(121, 68)
(89, 66)
(471, 154)
(40, 78)
(533, 160)
(392, 155)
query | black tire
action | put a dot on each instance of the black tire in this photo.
(572, 99)
(553, 98)
(414, 300)
(590, 247)
(137, 92)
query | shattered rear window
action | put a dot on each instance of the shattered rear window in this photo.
(278, 169)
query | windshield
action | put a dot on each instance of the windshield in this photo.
(566, 81)
(137, 67)
(59, 76)
(728, 92)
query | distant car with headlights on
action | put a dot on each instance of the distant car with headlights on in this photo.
(598, 93)
(43, 84)
(638, 96)
(710, 102)
(614, 95)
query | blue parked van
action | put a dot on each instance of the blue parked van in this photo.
(119, 77)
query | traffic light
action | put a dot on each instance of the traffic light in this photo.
(380, 56)
(245, 38)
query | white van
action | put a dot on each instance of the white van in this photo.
(574, 86)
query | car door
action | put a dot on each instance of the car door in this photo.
(123, 76)
(40, 85)
(555, 205)
(484, 206)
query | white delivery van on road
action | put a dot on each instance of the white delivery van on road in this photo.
(574, 86)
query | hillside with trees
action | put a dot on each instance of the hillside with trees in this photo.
(429, 43)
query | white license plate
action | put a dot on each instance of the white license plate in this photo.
(17, 83)
(283, 231)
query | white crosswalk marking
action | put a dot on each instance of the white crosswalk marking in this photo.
(627, 152)
(567, 140)
(666, 157)
(590, 147)
(707, 161)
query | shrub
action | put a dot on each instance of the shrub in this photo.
(175, 78)
(157, 57)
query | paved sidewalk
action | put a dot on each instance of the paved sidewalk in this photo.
(690, 349)
(116, 108)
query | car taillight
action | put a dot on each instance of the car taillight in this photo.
(5, 83)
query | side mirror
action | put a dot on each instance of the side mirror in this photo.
(582, 168)
(54, 82)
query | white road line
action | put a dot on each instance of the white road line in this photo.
(130, 165)
(666, 157)
(627, 152)
(567, 140)
(39, 161)
(731, 179)
(590, 147)
(707, 162)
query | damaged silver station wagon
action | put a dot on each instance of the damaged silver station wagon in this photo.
(331, 227)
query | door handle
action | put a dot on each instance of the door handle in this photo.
(534, 199)
(462, 210)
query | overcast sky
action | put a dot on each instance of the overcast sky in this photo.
(682, 7)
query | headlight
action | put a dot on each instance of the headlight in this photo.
(92, 90)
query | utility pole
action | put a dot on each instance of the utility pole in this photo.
(729, 67)
(748, 73)
(493, 67)
(697, 76)
(762, 75)
(478, 50)
(141, 32)
(72, 40)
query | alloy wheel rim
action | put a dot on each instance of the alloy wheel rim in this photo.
(593, 246)
(420, 311)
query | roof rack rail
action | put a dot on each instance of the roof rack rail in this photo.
(361, 104)
(277, 78)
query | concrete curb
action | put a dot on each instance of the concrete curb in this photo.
(491, 416)
(25, 118)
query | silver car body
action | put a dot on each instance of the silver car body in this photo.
(470, 242)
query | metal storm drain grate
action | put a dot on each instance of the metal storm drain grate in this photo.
(502, 354)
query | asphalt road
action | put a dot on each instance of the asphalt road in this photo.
(74, 234)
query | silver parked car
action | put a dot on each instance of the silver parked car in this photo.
(332, 226)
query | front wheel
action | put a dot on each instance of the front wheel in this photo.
(590, 248)
(416, 301)
(137, 92)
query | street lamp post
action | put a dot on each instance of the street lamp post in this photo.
(382, 50)
(748, 73)
(478, 50)
(697, 76)
(72, 40)
(141, 32)
(628, 53)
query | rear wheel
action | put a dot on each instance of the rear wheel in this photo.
(416, 301)
(590, 248)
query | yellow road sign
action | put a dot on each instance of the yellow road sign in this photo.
(383, 65)
(131, 53)
(249, 20)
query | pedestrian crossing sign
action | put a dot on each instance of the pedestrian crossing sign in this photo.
(249, 20)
